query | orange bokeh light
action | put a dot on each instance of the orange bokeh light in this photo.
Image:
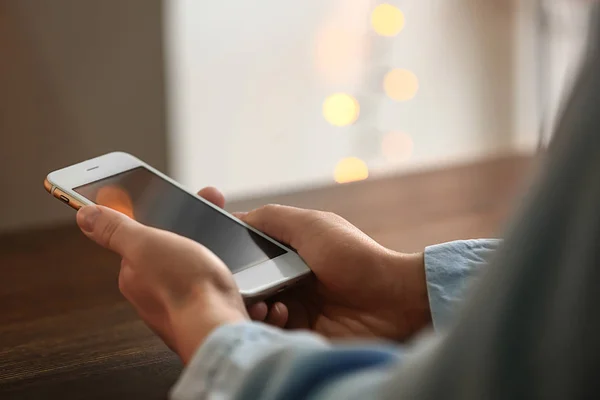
(116, 198)
(401, 84)
(387, 20)
(351, 169)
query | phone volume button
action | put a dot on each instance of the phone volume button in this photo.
(64, 198)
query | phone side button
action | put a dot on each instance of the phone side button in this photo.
(65, 198)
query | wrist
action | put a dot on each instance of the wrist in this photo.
(413, 294)
(193, 323)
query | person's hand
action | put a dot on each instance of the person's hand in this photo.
(361, 288)
(178, 287)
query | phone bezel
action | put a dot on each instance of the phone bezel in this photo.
(257, 281)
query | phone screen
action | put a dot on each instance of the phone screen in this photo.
(153, 201)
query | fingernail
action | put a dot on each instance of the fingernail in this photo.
(87, 218)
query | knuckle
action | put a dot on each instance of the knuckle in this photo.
(261, 215)
(136, 249)
(122, 281)
(269, 208)
(330, 216)
(110, 232)
(125, 278)
(322, 214)
(317, 216)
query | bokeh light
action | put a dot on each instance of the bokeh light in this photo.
(116, 198)
(401, 84)
(397, 146)
(341, 109)
(351, 169)
(387, 20)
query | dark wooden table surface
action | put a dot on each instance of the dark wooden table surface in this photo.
(66, 332)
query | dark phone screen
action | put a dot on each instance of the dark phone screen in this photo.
(153, 201)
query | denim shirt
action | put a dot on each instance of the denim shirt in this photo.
(254, 361)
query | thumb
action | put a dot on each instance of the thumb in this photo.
(110, 229)
(283, 223)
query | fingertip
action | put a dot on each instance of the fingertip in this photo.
(258, 311)
(86, 218)
(278, 315)
(281, 309)
(109, 228)
(213, 195)
(283, 223)
(240, 214)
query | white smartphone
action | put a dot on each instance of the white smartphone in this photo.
(260, 265)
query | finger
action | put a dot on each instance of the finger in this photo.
(110, 229)
(240, 214)
(283, 223)
(213, 195)
(258, 311)
(278, 315)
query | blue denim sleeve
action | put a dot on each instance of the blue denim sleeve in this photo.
(450, 269)
(258, 362)
(254, 361)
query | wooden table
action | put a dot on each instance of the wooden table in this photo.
(66, 332)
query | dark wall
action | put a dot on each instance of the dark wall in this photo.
(78, 78)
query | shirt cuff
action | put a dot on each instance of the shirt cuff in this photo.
(448, 269)
(229, 353)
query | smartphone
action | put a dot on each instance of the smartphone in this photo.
(261, 266)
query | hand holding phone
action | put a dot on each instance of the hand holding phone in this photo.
(260, 265)
(182, 307)
(361, 288)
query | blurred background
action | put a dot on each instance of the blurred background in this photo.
(274, 97)
(419, 121)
